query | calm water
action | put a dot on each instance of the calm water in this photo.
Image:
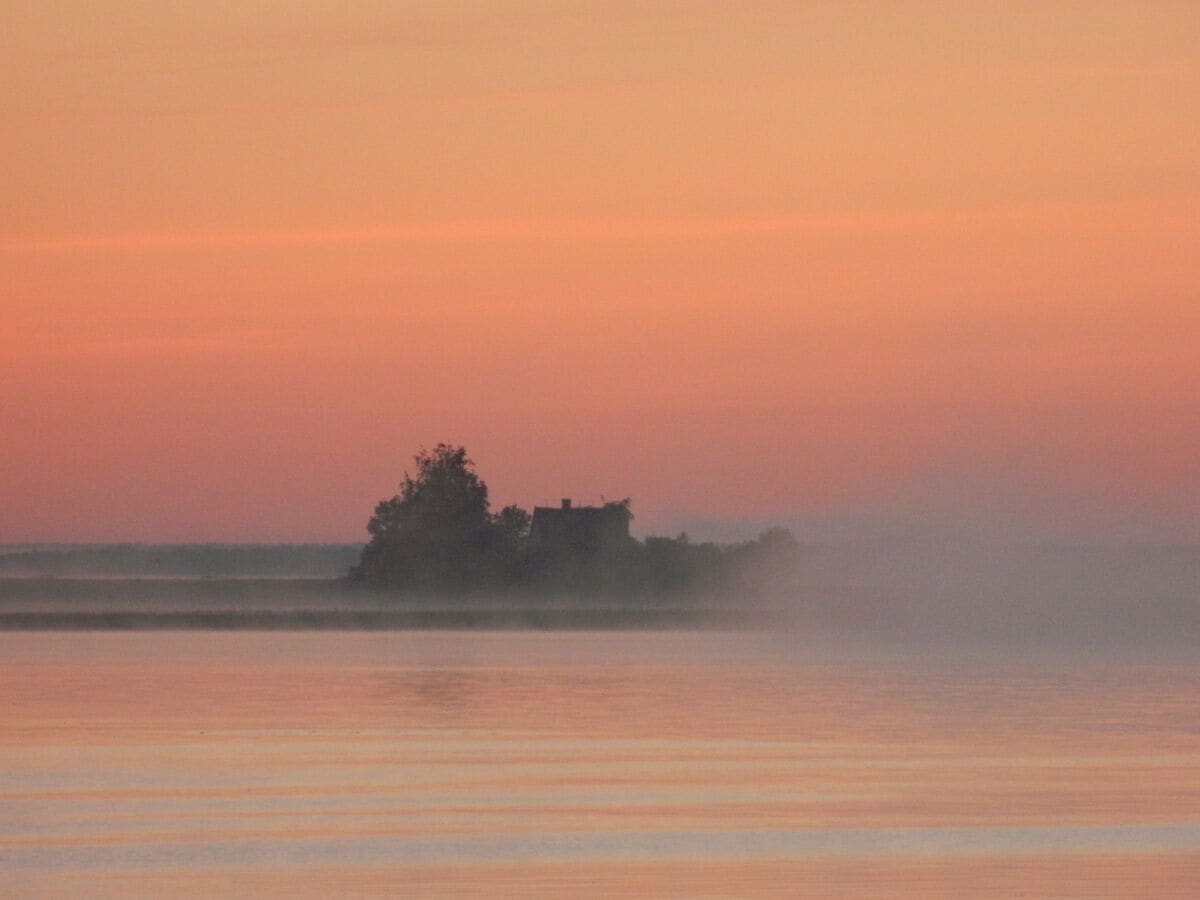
(426, 764)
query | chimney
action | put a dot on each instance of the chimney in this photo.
(566, 502)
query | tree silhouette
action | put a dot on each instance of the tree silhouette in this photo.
(437, 533)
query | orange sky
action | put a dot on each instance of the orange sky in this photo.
(757, 260)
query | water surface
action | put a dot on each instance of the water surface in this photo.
(522, 764)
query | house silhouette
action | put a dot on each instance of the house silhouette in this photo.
(580, 530)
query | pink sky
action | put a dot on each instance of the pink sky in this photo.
(771, 260)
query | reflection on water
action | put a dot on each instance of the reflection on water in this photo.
(450, 691)
(512, 764)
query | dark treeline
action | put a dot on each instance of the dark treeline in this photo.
(407, 617)
(439, 535)
(180, 560)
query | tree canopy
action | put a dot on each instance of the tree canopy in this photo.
(438, 532)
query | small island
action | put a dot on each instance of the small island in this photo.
(438, 536)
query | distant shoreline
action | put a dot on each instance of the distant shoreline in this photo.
(377, 620)
(157, 603)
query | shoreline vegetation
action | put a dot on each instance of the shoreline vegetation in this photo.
(513, 619)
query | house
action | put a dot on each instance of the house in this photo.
(583, 530)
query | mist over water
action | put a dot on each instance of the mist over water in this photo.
(908, 717)
(863, 585)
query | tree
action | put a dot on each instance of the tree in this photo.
(512, 523)
(437, 533)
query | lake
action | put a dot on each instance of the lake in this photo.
(589, 764)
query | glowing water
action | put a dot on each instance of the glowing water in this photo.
(526, 764)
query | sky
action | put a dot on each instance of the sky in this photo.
(768, 261)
